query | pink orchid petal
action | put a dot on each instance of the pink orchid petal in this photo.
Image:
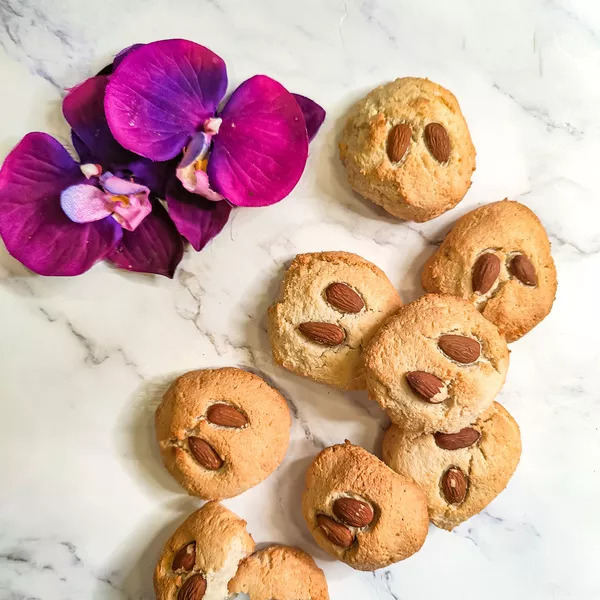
(133, 212)
(197, 219)
(202, 187)
(154, 247)
(313, 114)
(33, 225)
(260, 151)
(84, 203)
(161, 94)
(121, 187)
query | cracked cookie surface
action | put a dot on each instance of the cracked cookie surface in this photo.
(202, 554)
(385, 520)
(436, 364)
(517, 299)
(484, 460)
(406, 146)
(329, 306)
(222, 431)
(280, 572)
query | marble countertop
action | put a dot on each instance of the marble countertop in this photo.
(85, 504)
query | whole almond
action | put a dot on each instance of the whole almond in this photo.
(428, 386)
(438, 142)
(485, 272)
(336, 533)
(326, 334)
(397, 142)
(462, 349)
(353, 512)
(454, 441)
(454, 485)
(522, 268)
(344, 298)
(185, 558)
(193, 588)
(204, 453)
(226, 415)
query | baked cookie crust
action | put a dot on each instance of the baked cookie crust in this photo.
(417, 186)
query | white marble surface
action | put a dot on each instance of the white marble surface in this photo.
(85, 505)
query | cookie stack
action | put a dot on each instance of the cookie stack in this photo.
(435, 366)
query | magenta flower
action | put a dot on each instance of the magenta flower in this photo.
(60, 217)
(163, 98)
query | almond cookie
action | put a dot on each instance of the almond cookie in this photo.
(362, 512)
(406, 146)
(330, 304)
(436, 365)
(281, 573)
(222, 431)
(202, 555)
(497, 257)
(461, 473)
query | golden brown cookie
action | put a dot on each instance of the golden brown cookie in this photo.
(280, 573)
(360, 511)
(202, 555)
(460, 473)
(406, 146)
(497, 257)
(330, 305)
(222, 431)
(436, 364)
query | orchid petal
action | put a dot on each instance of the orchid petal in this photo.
(118, 59)
(84, 203)
(33, 226)
(314, 115)
(84, 153)
(154, 247)
(198, 220)
(161, 94)
(83, 108)
(121, 55)
(260, 151)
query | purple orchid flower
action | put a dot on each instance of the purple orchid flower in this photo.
(163, 98)
(60, 217)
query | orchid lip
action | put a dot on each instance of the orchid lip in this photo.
(191, 170)
(126, 201)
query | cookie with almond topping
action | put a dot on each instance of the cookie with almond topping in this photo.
(281, 572)
(203, 555)
(329, 306)
(406, 146)
(462, 472)
(436, 364)
(222, 431)
(497, 257)
(360, 511)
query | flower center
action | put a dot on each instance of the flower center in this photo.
(125, 201)
(192, 170)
